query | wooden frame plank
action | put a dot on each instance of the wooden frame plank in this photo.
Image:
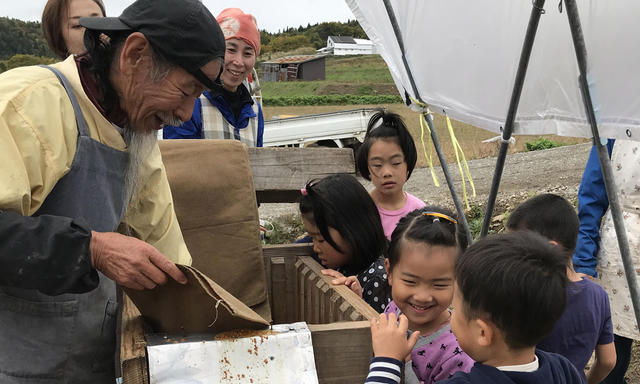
(278, 284)
(353, 300)
(349, 362)
(279, 173)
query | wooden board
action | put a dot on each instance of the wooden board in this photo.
(351, 307)
(342, 351)
(279, 173)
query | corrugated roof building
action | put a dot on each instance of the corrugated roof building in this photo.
(290, 68)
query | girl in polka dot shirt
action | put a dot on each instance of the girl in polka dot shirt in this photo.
(421, 260)
(343, 221)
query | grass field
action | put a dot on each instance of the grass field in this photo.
(356, 75)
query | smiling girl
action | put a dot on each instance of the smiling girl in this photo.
(420, 265)
(387, 158)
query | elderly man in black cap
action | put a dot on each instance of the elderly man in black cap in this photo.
(84, 198)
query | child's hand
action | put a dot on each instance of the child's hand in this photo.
(389, 336)
(339, 279)
(584, 275)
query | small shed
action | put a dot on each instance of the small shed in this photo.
(290, 68)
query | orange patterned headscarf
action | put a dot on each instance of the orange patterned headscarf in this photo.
(236, 24)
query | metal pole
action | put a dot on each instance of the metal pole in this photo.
(429, 118)
(603, 156)
(525, 54)
(447, 176)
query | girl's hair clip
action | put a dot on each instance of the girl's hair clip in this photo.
(437, 216)
(304, 192)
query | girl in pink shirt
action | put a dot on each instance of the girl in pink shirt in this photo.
(387, 158)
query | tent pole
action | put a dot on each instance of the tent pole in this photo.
(605, 163)
(447, 176)
(525, 54)
(429, 118)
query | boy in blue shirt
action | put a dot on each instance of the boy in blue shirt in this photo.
(585, 325)
(509, 292)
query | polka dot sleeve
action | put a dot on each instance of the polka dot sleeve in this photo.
(375, 290)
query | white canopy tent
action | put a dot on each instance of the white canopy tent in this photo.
(463, 56)
(472, 59)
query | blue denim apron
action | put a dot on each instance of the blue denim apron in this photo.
(70, 338)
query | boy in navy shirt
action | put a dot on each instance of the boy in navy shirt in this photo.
(585, 325)
(509, 292)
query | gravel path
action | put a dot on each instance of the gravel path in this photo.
(557, 170)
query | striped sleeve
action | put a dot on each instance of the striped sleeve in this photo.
(384, 370)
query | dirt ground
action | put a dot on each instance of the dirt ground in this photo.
(557, 170)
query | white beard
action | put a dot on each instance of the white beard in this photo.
(170, 119)
(139, 146)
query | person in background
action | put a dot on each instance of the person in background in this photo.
(344, 225)
(229, 112)
(597, 253)
(79, 153)
(420, 265)
(585, 325)
(61, 27)
(386, 158)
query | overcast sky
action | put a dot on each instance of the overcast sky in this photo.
(272, 15)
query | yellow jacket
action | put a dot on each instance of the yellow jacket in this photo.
(38, 136)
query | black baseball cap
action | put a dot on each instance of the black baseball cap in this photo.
(184, 32)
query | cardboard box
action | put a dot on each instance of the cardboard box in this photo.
(338, 318)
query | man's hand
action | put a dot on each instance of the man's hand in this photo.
(389, 336)
(340, 279)
(130, 262)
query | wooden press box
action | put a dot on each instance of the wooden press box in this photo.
(337, 317)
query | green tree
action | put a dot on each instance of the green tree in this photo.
(20, 60)
(18, 36)
(287, 43)
(316, 35)
(265, 38)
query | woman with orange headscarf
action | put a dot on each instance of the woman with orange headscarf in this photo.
(229, 112)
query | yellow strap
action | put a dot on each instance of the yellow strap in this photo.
(457, 147)
(423, 125)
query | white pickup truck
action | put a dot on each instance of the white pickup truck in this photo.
(334, 129)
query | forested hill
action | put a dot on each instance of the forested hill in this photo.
(24, 37)
(310, 36)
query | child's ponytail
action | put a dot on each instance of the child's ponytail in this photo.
(388, 126)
